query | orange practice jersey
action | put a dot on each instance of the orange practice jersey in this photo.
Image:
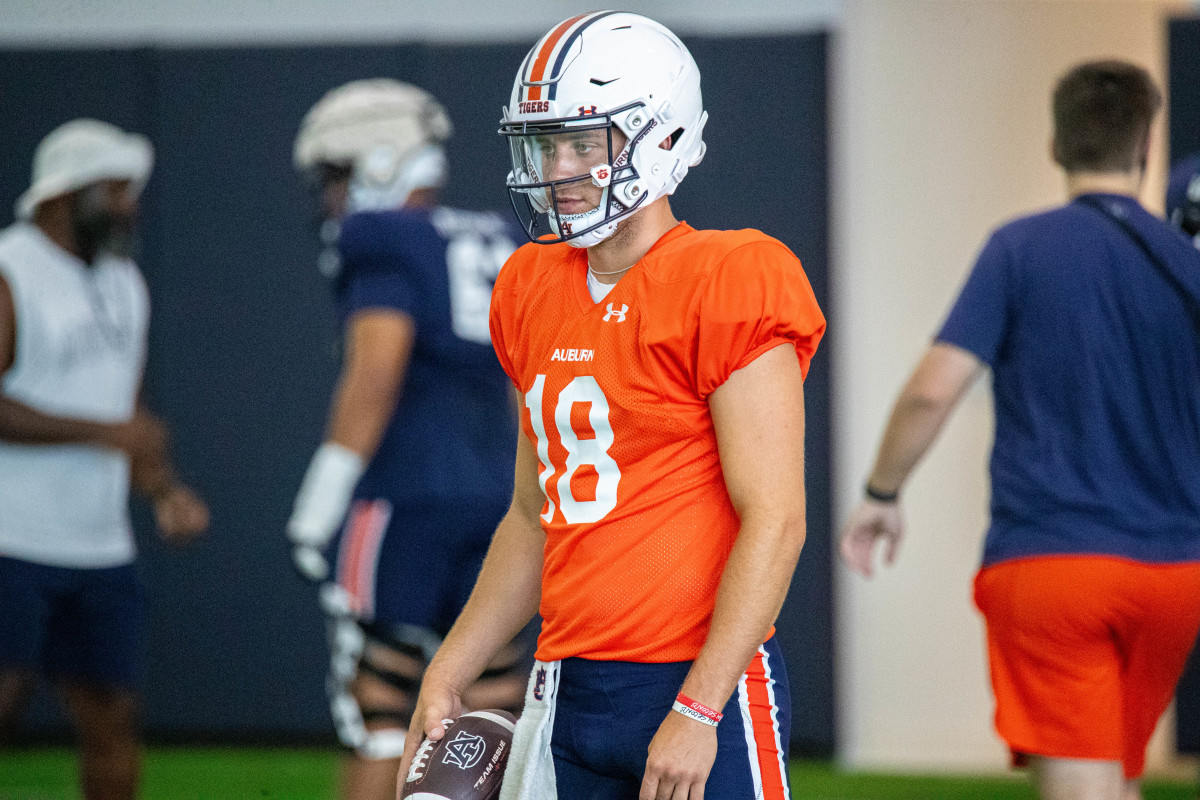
(638, 522)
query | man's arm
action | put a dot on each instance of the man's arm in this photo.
(758, 414)
(179, 513)
(379, 345)
(24, 425)
(934, 389)
(505, 598)
(378, 348)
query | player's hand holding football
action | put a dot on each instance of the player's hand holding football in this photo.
(436, 702)
(872, 521)
(681, 755)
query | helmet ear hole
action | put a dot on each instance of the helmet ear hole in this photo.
(670, 142)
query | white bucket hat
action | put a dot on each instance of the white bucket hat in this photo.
(82, 152)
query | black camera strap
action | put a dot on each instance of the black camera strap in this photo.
(1116, 213)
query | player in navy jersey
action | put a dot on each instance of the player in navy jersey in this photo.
(399, 503)
(1089, 317)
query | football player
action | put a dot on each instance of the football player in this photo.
(399, 503)
(658, 508)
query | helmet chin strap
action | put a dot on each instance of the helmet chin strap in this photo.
(588, 219)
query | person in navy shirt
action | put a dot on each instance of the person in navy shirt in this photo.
(1089, 317)
(400, 502)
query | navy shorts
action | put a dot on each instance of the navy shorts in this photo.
(73, 624)
(417, 567)
(607, 712)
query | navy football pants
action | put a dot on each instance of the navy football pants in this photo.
(608, 711)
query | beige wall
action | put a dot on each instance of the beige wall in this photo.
(41, 23)
(941, 126)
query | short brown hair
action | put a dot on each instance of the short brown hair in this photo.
(1102, 116)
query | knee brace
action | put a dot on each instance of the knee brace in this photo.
(360, 648)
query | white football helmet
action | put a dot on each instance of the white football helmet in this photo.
(596, 72)
(388, 133)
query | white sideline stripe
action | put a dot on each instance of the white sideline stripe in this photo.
(496, 718)
(748, 729)
(787, 793)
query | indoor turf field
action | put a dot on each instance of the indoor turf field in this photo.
(248, 774)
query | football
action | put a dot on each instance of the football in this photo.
(467, 764)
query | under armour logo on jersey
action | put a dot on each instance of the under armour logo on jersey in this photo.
(612, 312)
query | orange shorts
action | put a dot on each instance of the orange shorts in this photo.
(1085, 652)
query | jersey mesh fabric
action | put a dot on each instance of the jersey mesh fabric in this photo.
(638, 521)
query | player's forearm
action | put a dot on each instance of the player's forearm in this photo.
(504, 599)
(24, 425)
(362, 406)
(931, 393)
(753, 588)
(758, 415)
(911, 430)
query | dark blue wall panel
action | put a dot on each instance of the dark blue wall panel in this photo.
(1184, 84)
(244, 350)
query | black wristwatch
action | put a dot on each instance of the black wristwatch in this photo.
(880, 497)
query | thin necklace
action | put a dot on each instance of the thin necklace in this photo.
(631, 266)
(614, 272)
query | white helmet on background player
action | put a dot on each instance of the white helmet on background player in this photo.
(598, 71)
(387, 133)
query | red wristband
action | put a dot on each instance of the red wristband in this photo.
(697, 711)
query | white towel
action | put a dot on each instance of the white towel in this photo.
(530, 771)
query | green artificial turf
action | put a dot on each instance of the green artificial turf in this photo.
(184, 774)
(279, 774)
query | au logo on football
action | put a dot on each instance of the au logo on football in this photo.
(464, 750)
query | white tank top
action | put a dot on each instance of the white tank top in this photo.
(80, 352)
